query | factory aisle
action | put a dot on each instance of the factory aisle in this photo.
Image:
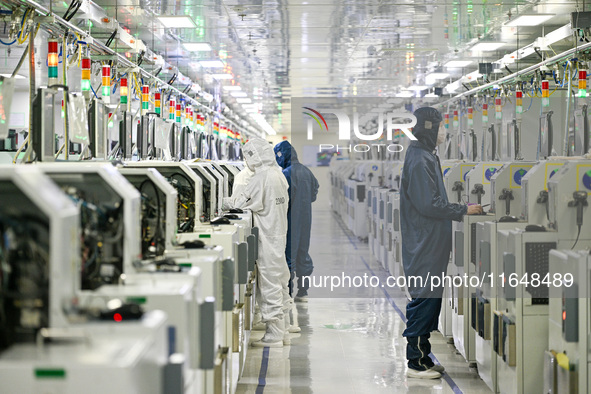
(349, 345)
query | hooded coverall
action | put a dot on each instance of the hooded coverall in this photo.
(303, 189)
(426, 216)
(267, 198)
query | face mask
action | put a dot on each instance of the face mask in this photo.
(441, 135)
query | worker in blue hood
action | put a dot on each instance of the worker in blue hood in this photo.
(303, 189)
(426, 216)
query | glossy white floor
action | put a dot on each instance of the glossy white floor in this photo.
(349, 345)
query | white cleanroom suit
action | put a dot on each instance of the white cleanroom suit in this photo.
(241, 180)
(267, 198)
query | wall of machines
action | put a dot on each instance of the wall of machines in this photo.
(123, 278)
(119, 271)
(525, 323)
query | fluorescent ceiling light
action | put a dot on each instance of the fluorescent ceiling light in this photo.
(239, 94)
(530, 20)
(487, 46)
(431, 95)
(260, 119)
(177, 22)
(10, 75)
(417, 88)
(458, 63)
(232, 87)
(212, 64)
(243, 100)
(222, 76)
(197, 46)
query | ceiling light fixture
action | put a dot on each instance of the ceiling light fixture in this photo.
(260, 119)
(244, 100)
(239, 94)
(197, 46)
(212, 64)
(530, 20)
(458, 63)
(487, 46)
(177, 22)
(232, 88)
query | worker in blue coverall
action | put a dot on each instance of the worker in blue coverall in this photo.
(303, 189)
(426, 216)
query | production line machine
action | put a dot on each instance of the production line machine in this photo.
(567, 365)
(505, 204)
(163, 283)
(523, 255)
(367, 174)
(48, 340)
(340, 172)
(478, 190)
(454, 179)
(158, 284)
(384, 240)
(238, 242)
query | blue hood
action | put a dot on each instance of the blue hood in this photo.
(427, 127)
(285, 154)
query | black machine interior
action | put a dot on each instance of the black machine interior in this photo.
(153, 215)
(206, 195)
(185, 196)
(101, 221)
(24, 267)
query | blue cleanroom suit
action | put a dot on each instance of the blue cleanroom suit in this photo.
(426, 216)
(303, 189)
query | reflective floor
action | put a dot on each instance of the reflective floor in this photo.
(349, 345)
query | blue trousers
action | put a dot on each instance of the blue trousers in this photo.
(422, 316)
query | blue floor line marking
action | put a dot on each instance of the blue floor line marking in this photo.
(263, 372)
(445, 375)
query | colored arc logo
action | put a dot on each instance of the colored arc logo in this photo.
(316, 118)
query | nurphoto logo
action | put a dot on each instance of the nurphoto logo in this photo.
(393, 122)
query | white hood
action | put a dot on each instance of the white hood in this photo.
(259, 154)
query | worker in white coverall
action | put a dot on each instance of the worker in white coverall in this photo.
(266, 197)
(241, 180)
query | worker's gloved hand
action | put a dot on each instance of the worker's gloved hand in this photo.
(474, 210)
